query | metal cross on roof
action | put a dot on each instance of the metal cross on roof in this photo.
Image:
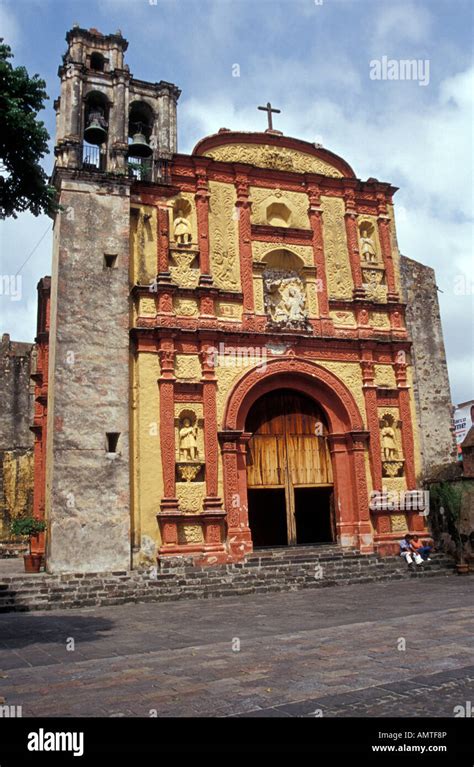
(269, 109)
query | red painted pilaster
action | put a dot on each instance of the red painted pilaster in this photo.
(202, 209)
(163, 244)
(211, 447)
(167, 428)
(406, 419)
(243, 208)
(315, 213)
(233, 447)
(383, 222)
(358, 441)
(350, 218)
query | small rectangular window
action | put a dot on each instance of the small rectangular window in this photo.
(110, 260)
(112, 441)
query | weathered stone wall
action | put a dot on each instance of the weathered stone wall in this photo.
(430, 372)
(16, 439)
(87, 490)
(16, 412)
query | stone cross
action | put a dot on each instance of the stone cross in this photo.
(268, 109)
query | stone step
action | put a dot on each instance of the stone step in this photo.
(277, 570)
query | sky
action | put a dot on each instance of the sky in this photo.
(317, 61)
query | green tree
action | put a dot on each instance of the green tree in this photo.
(23, 142)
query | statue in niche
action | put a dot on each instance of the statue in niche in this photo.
(285, 299)
(388, 439)
(182, 229)
(188, 449)
(367, 247)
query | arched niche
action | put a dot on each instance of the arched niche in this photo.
(278, 214)
(284, 290)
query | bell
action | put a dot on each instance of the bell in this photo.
(139, 146)
(95, 133)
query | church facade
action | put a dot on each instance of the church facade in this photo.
(226, 357)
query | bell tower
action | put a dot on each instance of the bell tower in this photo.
(112, 130)
(106, 119)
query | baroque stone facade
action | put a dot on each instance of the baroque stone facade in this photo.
(184, 296)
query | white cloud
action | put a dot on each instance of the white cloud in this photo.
(399, 22)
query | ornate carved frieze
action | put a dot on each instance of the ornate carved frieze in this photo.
(276, 158)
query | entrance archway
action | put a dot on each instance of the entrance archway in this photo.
(347, 440)
(289, 471)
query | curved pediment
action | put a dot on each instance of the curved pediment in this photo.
(273, 151)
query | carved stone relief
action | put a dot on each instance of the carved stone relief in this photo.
(190, 534)
(285, 299)
(186, 307)
(338, 270)
(223, 235)
(187, 367)
(182, 270)
(343, 318)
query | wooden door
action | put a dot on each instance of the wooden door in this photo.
(288, 448)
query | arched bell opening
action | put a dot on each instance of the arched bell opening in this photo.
(140, 130)
(96, 119)
(96, 130)
(97, 62)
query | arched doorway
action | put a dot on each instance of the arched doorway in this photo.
(347, 440)
(289, 471)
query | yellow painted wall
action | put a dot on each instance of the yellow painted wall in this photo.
(147, 483)
(17, 481)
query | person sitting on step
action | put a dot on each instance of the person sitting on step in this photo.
(420, 548)
(407, 553)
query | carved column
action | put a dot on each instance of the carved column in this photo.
(383, 222)
(202, 210)
(346, 531)
(118, 128)
(169, 502)
(315, 213)
(244, 207)
(163, 243)
(233, 446)
(209, 388)
(370, 396)
(382, 521)
(358, 441)
(350, 217)
(407, 428)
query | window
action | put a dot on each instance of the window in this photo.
(97, 62)
(112, 441)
